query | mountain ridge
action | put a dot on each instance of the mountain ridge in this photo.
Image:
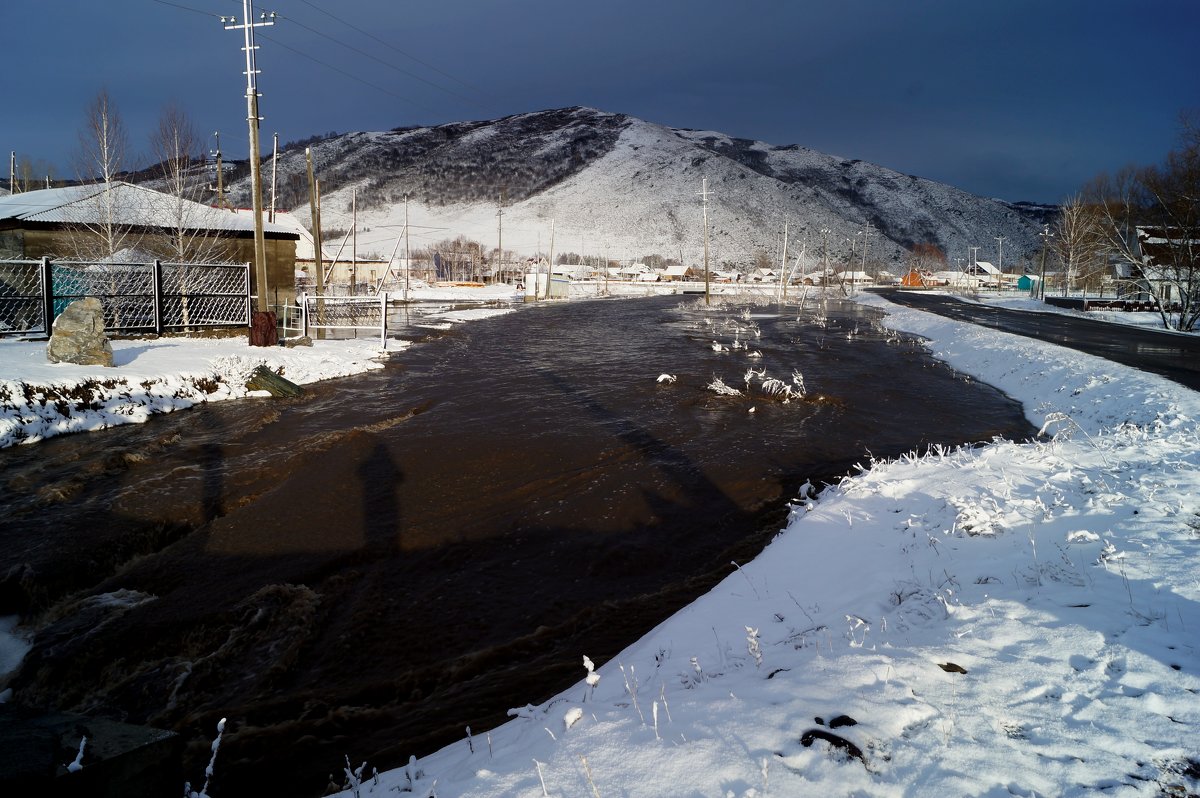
(626, 186)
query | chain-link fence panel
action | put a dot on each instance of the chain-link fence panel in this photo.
(204, 295)
(125, 289)
(21, 297)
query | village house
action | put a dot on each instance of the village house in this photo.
(126, 223)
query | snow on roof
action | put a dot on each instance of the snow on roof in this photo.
(984, 266)
(130, 204)
(676, 271)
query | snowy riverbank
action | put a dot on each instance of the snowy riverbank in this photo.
(1015, 619)
(39, 399)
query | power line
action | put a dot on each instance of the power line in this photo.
(365, 54)
(185, 8)
(347, 74)
(393, 47)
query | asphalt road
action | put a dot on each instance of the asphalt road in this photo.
(1172, 355)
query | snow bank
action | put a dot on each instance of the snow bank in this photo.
(39, 399)
(1013, 619)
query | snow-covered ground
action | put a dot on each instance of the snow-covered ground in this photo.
(1012, 619)
(39, 399)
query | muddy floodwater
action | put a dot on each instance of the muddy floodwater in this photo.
(370, 569)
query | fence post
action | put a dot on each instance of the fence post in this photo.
(47, 295)
(158, 297)
(383, 320)
(304, 313)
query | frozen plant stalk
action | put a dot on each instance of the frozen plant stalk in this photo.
(753, 647)
(592, 677)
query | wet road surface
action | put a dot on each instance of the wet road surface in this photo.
(1172, 355)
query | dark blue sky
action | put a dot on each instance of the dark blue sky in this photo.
(1004, 98)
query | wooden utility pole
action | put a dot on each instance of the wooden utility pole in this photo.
(220, 189)
(783, 263)
(12, 172)
(1000, 263)
(1046, 236)
(500, 238)
(407, 251)
(704, 197)
(550, 265)
(314, 209)
(354, 241)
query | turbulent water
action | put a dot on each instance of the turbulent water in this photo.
(371, 569)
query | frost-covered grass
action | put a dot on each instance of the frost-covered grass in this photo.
(1011, 619)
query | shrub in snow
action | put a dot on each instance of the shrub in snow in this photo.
(592, 678)
(753, 647)
(719, 387)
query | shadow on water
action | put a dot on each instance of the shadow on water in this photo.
(371, 569)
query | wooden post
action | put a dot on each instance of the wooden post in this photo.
(158, 297)
(48, 295)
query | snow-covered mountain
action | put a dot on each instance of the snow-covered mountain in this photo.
(615, 185)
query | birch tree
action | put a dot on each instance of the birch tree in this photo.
(103, 230)
(1078, 239)
(180, 155)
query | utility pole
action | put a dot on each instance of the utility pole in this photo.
(550, 265)
(259, 335)
(1046, 236)
(354, 241)
(274, 160)
(407, 251)
(220, 189)
(974, 261)
(704, 198)
(314, 209)
(1000, 263)
(783, 263)
(12, 172)
(500, 236)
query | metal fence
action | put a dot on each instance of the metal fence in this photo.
(152, 297)
(345, 313)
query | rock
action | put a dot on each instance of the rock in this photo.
(292, 343)
(263, 379)
(78, 335)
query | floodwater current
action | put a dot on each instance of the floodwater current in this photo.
(370, 569)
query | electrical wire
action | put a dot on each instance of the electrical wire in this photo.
(468, 100)
(393, 47)
(344, 72)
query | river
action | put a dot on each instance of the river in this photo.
(371, 569)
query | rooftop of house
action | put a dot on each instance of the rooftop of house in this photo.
(128, 205)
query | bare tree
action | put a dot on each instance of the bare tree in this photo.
(104, 230)
(1151, 218)
(1078, 240)
(181, 167)
(925, 258)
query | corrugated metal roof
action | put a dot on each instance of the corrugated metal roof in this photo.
(128, 204)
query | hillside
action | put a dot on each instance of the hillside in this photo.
(617, 185)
